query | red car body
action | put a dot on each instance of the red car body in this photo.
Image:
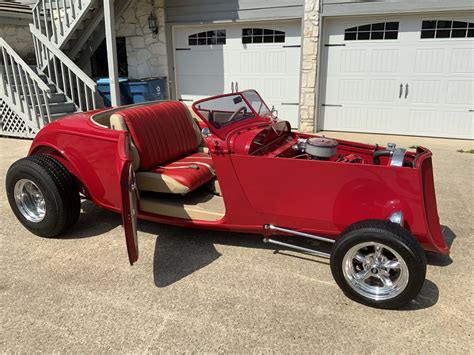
(311, 196)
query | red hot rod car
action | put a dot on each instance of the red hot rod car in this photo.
(238, 168)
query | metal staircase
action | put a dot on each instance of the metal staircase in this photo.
(31, 97)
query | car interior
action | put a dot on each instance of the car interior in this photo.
(174, 170)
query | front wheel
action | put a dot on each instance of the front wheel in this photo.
(379, 264)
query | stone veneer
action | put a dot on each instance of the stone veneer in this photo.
(19, 38)
(309, 66)
(146, 56)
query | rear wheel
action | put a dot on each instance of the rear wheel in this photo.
(43, 195)
(378, 263)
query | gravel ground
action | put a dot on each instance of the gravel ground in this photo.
(201, 291)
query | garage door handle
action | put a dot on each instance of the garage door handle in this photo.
(401, 91)
(236, 86)
(406, 90)
(232, 87)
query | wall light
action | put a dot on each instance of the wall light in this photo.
(152, 24)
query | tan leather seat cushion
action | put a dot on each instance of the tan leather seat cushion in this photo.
(117, 123)
(152, 181)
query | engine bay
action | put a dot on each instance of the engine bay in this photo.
(277, 140)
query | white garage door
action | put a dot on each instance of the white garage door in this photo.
(399, 75)
(218, 59)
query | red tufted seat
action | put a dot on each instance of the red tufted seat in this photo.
(167, 140)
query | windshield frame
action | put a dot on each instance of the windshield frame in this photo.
(224, 130)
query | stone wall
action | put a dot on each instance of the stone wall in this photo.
(146, 56)
(309, 87)
(19, 38)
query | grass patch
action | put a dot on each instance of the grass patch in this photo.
(470, 151)
(413, 147)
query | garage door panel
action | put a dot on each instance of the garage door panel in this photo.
(352, 90)
(425, 91)
(207, 86)
(460, 92)
(385, 60)
(353, 118)
(380, 118)
(382, 90)
(430, 122)
(462, 61)
(264, 62)
(199, 62)
(353, 61)
(429, 61)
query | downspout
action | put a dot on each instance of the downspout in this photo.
(109, 23)
(319, 56)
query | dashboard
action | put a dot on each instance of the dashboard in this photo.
(263, 139)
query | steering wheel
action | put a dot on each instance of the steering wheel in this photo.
(236, 112)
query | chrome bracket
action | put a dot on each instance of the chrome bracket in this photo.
(397, 218)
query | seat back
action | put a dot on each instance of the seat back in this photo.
(161, 132)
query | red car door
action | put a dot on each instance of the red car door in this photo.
(129, 197)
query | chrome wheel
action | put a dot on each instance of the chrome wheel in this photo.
(30, 200)
(375, 271)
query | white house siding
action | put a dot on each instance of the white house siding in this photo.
(146, 55)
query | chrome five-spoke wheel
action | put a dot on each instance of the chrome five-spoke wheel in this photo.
(30, 200)
(378, 263)
(375, 271)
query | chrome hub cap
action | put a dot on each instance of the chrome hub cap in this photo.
(375, 271)
(30, 200)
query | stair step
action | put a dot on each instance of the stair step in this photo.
(62, 107)
(57, 116)
(52, 87)
(43, 77)
(55, 98)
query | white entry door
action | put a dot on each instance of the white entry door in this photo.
(399, 75)
(218, 59)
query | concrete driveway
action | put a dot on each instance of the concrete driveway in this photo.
(200, 291)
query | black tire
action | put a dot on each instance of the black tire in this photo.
(392, 236)
(59, 189)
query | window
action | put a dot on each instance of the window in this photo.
(262, 35)
(207, 38)
(374, 31)
(446, 29)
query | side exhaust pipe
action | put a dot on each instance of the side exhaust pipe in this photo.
(271, 227)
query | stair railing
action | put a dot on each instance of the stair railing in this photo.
(56, 19)
(22, 89)
(68, 78)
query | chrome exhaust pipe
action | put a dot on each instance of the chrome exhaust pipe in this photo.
(291, 246)
(301, 234)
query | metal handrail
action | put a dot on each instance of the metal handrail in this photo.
(57, 19)
(71, 80)
(34, 76)
(23, 89)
